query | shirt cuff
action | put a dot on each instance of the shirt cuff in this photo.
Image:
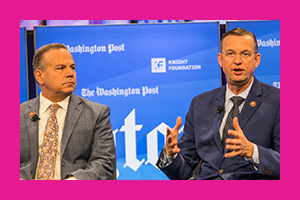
(166, 160)
(255, 155)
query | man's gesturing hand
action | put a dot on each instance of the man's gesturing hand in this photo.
(171, 147)
(240, 145)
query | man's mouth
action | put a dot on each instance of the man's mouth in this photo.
(238, 71)
(70, 82)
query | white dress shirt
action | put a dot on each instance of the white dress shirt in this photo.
(44, 112)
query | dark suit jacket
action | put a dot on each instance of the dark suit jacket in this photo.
(201, 138)
(87, 145)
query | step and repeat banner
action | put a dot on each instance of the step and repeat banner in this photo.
(147, 74)
(268, 39)
(23, 66)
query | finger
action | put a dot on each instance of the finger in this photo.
(169, 139)
(232, 141)
(173, 144)
(172, 136)
(233, 133)
(176, 150)
(172, 149)
(233, 147)
(231, 154)
(169, 132)
(178, 123)
(236, 124)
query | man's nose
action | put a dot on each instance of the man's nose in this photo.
(238, 59)
(70, 72)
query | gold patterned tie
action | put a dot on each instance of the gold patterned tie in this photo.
(46, 166)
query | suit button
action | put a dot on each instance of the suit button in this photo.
(221, 171)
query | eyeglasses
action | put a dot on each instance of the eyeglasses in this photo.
(244, 54)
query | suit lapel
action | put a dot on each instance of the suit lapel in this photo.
(220, 101)
(33, 131)
(74, 110)
(251, 104)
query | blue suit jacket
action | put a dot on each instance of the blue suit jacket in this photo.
(201, 138)
(87, 144)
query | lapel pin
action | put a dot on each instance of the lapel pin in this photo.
(31, 114)
(34, 117)
(252, 103)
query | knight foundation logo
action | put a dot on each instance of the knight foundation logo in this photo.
(158, 65)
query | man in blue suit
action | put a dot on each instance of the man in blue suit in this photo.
(252, 150)
(83, 147)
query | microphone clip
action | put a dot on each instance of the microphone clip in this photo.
(220, 109)
(34, 117)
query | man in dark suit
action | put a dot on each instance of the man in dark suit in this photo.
(83, 148)
(250, 149)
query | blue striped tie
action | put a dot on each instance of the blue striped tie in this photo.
(234, 112)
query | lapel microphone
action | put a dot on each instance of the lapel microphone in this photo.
(220, 109)
(35, 117)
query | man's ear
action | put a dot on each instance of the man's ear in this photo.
(220, 59)
(257, 59)
(39, 76)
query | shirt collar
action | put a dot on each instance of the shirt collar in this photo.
(243, 94)
(45, 103)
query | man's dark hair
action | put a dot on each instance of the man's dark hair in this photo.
(239, 32)
(38, 56)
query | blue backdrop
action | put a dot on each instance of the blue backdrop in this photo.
(23, 66)
(147, 74)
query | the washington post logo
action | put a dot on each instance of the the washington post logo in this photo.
(158, 65)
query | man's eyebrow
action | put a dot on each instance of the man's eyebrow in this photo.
(63, 65)
(240, 51)
(60, 65)
(226, 50)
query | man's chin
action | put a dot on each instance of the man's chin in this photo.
(240, 82)
(69, 91)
